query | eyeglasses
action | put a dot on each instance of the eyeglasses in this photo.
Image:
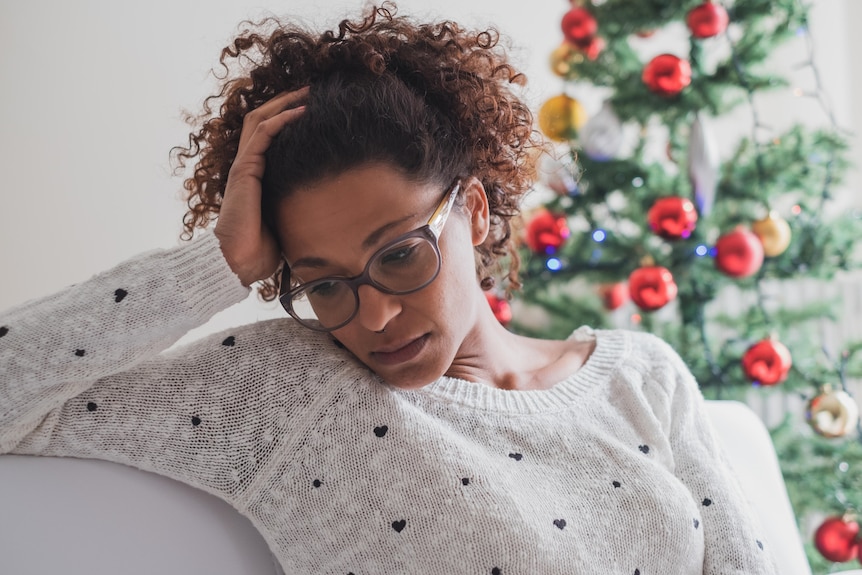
(403, 266)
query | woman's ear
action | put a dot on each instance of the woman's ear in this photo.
(476, 206)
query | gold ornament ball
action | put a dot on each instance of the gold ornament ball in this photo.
(563, 60)
(832, 413)
(561, 117)
(774, 234)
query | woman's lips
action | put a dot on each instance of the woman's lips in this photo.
(405, 352)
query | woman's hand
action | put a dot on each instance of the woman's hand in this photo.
(248, 246)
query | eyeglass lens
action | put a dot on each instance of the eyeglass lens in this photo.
(401, 268)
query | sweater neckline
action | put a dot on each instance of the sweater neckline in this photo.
(611, 347)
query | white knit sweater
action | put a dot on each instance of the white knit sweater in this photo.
(612, 471)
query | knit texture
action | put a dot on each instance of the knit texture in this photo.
(614, 470)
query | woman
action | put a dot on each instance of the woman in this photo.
(368, 175)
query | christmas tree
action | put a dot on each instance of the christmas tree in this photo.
(649, 205)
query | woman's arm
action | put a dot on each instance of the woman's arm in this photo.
(55, 348)
(734, 542)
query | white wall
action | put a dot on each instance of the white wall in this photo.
(92, 98)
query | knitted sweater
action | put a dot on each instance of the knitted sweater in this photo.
(614, 470)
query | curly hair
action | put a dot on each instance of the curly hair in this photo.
(434, 100)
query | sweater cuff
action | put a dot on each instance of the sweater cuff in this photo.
(204, 277)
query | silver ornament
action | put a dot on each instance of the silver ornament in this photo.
(602, 135)
(703, 164)
(560, 174)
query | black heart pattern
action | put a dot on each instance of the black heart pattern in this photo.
(759, 544)
(317, 482)
(229, 341)
(3, 331)
(560, 523)
(465, 481)
(92, 406)
(120, 294)
(196, 420)
(399, 525)
(496, 571)
(381, 431)
(80, 352)
(644, 448)
(617, 484)
(516, 456)
(696, 523)
(707, 502)
(637, 572)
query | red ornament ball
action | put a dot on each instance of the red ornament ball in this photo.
(579, 26)
(836, 540)
(593, 48)
(651, 287)
(707, 20)
(739, 253)
(672, 217)
(613, 295)
(501, 308)
(546, 232)
(667, 75)
(767, 362)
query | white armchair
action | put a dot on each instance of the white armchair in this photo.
(74, 516)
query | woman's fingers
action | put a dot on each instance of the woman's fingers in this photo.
(247, 244)
(268, 129)
(266, 111)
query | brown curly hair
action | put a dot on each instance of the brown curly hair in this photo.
(434, 100)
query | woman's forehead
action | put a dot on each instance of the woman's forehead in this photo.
(353, 212)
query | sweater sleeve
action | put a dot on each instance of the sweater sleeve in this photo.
(56, 348)
(734, 542)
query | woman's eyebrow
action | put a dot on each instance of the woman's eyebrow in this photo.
(374, 237)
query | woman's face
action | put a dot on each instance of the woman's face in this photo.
(330, 223)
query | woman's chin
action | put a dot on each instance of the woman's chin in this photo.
(407, 379)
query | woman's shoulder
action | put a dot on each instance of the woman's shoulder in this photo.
(634, 342)
(276, 346)
(640, 351)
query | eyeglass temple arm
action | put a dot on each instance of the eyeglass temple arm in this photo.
(438, 218)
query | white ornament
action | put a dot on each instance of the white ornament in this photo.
(602, 136)
(703, 164)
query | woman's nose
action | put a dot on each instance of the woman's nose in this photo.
(376, 308)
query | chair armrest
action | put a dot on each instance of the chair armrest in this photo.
(752, 456)
(77, 516)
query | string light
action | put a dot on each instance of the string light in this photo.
(554, 264)
(638, 182)
(701, 250)
(599, 236)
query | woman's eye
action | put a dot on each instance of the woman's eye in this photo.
(323, 289)
(400, 255)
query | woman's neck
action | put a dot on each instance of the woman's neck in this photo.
(492, 355)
